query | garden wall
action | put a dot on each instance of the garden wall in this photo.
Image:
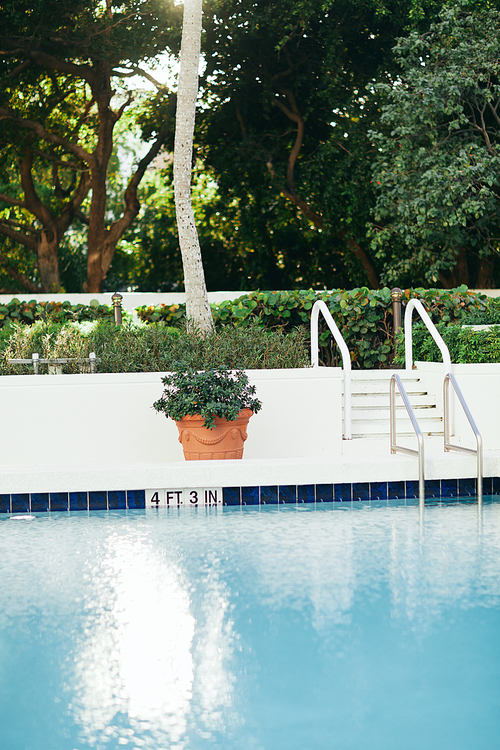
(480, 385)
(108, 418)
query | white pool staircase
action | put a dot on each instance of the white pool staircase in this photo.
(371, 405)
(387, 404)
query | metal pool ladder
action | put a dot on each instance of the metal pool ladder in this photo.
(396, 381)
(449, 378)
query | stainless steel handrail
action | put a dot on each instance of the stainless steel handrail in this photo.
(449, 378)
(418, 306)
(396, 381)
(320, 306)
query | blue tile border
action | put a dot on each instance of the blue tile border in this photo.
(324, 493)
(289, 494)
(378, 491)
(342, 493)
(59, 501)
(4, 503)
(306, 493)
(396, 490)
(117, 500)
(98, 500)
(78, 501)
(361, 490)
(268, 494)
(231, 496)
(250, 496)
(136, 499)
(39, 502)
(20, 503)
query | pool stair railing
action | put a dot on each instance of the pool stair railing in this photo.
(448, 426)
(448, 446)
(415, 304)
(321, 307)
(395, 448)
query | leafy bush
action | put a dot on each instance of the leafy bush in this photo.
(16, 311)
(489, 316)
(363, 316)
(465, 345)
(209, 393)
(154, 348)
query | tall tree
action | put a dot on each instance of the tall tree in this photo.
(197, 307)
(291, 101)
(62, 68)
(437, 216)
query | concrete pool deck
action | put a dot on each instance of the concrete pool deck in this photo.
(361, 460)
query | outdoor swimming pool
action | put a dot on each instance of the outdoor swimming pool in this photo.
(336, 626)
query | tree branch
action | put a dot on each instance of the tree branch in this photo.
(23, 239)
(242, 124)
(132, 205)
(19, 69)
(356, 250)
(32, 201)
(48, 61)
(83, 155)
(136, 71)
(12, 201)
(19, 225)
(294, 115)
(55, 160)
(81, 216)
(20, 277)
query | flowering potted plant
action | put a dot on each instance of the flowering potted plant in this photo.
(211, 409)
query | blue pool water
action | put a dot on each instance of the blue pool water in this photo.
(296, 628)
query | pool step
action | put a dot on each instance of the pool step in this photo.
(371, 406)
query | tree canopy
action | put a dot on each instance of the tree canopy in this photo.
(62, 71)
(438, 172)
(338, 144)
(291, 98)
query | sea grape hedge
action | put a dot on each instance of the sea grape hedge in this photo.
(16, 311)
(364, 316)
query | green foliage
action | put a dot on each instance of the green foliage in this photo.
(490, 315)
(449, 305)
(466, 345)
(16, 311)
(363, 316)
(209, 393)
(64, 72)
(291, 99)
(153, 348)
(438, 168)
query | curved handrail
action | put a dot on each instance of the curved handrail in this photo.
(449, 378)
(415, 303)
(396, 381)
(320, 306)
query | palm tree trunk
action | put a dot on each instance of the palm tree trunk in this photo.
(198, 310)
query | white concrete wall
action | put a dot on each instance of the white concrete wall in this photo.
(130, 301)
(480, 385)
(79, 419)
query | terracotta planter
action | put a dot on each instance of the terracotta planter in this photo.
(225, 440)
